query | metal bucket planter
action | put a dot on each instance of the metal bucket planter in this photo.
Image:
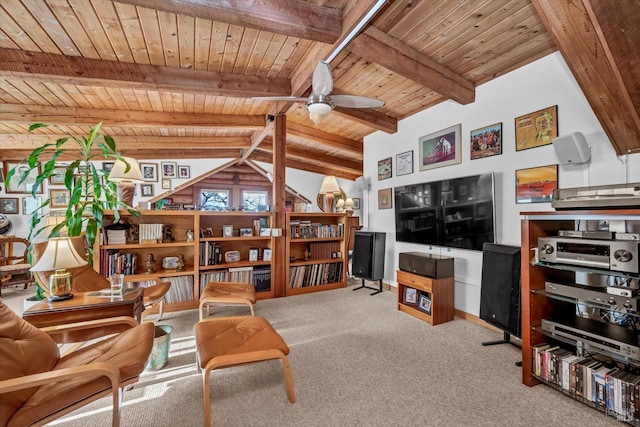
(160, 352)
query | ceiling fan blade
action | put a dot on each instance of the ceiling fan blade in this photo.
(353, 101)
(279, 98)
(322, 83)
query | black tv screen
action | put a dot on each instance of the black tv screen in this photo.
(458, 212)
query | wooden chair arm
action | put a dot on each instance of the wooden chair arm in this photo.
(90, 329)
(96, 370)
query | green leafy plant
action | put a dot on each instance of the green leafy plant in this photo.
(90, 194)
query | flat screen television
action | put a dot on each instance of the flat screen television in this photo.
(458, 212)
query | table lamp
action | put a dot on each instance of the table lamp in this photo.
(340, 205)
(348, 205)
(328, 187)
(126, 179)
(59, 255)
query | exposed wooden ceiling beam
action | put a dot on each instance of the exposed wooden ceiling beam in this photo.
(325, 169)
(35, 66)
(381, 48)
(256, 139)
(140, 154)
(11, 113)
(325, 138)
(372, 118)
(313, 157)
(293, 18)
(588, 53)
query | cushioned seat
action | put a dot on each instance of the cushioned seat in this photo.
(227, 293)
(37, 385)
(228, 341)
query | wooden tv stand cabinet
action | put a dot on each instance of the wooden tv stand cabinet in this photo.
(441, 292)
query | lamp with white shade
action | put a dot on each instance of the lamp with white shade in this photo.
(328, 188)
(126, 179)
(340, 205)
(59, 255)
(348, 205)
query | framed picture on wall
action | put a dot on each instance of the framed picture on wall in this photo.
(59, 198)
(169, 169)
(356, 203)
(536, 129)
(440, 148)
(30, 204)
(404, 163)
(486, 141)
(9, 205)
(536, 185)
(384, 169)
(24, 187)
(57, 176)
(166, 184)
(146, 190)
(385, 198)
(184, 171)
(149, 172)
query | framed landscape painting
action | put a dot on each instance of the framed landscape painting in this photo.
(536, 185)
(486, 141)
(440, 148)
(536, 129)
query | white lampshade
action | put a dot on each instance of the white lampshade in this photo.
(317, 111)
(59, 255)
(329, 185)
(119, 171)
(340, 205)
(348, 204)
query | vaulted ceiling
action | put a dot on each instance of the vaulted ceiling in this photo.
(174, 79)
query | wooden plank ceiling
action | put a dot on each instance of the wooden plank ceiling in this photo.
(175, 79)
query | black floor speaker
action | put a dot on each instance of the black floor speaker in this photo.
(368, 255)
(500, 291)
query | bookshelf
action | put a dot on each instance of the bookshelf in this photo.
(204, 256)
(316, 252)
(580, 363)
(437, 297)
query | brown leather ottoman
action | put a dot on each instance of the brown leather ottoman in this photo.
(228, 341)
(227, 293)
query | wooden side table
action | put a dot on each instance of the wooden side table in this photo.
(86, 306)
(431, 300)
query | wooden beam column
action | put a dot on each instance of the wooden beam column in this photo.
(278, 273)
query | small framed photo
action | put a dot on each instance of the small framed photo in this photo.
(30, 204)
(146, 190)
(486, 141)
(266, 255)
(57, 175)
(253, 254)
(424, 303)
(356, 203)
(384, 199)
(26, 186)
(59, 198)
(404, 163)
(184, 172)
(9, 205)
(246, 232)
(227, 231)
(206, 232)
(149, 172)
(410, 296)
(536, 185)
(166, 184)
(384, 169)
(169, 169)
(107, 166)
(536, 129)
(265, 232)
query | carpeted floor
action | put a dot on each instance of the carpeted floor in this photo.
(355, 361)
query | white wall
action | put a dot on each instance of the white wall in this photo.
(544, 83)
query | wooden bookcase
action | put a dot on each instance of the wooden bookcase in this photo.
(440, 292)
(316, 252)
(187, 283)
(538, 304)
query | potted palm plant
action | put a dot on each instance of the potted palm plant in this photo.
(89, 191)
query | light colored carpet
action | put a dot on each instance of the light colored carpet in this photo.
(355, 361)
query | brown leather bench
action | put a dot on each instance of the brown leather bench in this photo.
(227, 293)
(222, 342)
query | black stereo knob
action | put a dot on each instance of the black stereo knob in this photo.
(547, 248)
(623, 255)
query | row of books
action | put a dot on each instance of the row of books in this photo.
(309, 230)
(615, 390)
(210, 253)
(181, 289)
(324, 250)
(150, 232)
(115, 262)
(315, 274)
(260, 277)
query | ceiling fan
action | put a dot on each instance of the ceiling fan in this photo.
(321, 102)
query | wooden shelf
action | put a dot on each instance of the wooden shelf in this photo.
(440, 291)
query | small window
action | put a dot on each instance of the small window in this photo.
(254, 201)
(214, 200)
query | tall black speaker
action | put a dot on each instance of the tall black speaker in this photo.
(500, 291)
(368, 257)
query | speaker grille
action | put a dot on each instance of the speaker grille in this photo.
(368, 255)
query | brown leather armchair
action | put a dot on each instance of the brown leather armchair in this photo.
(38, 385)
(86, 279)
